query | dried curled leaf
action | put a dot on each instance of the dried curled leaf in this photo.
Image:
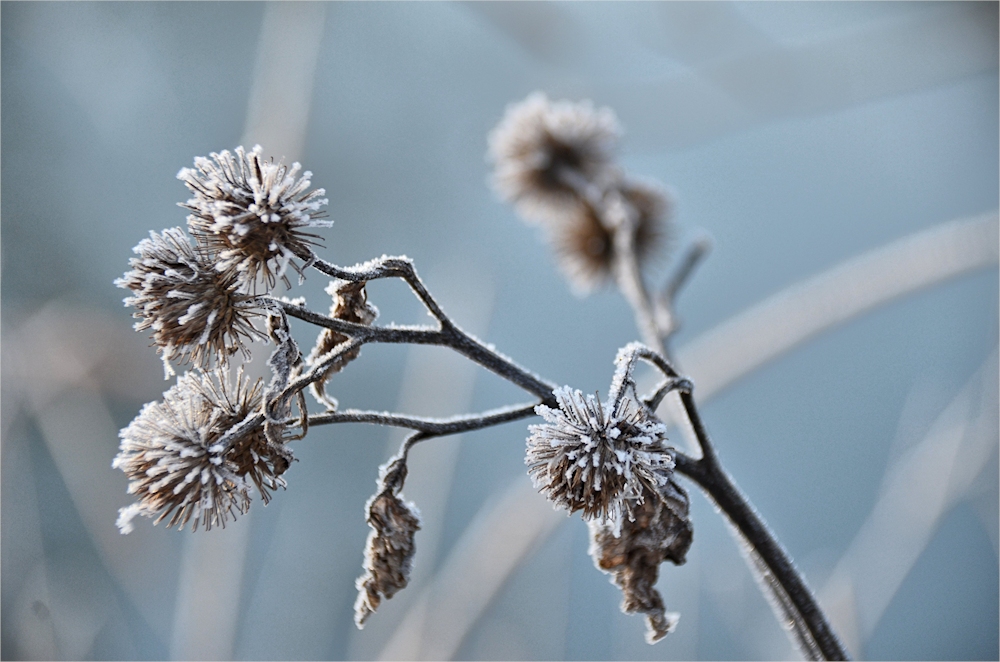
(388, 553)
(661, 531)
(284, 362)
(350, 303)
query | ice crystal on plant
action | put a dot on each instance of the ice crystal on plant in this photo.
(178, 464)
(659, 531)
(596, 459)
(543, 150)
(253, 213)
(196, 312)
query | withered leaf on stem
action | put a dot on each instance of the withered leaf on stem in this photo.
(350, 303)
(661, 531)
(388, 553)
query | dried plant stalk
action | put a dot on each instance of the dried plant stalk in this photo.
(193, 456)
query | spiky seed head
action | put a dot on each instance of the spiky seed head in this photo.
(252, 213)
(541, 147)
(196, 312)
(388, 553)
(178, 465)
(660, 531)
(584, 243)
(587, 457)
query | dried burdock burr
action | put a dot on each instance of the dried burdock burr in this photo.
(181, 465)
(196, 312)
(252, 213)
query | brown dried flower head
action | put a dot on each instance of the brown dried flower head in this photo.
(196, 312)
(180, 467)
(589, 458)
(350, 303)
(388, 553)
(252, 213)
(584, 242)
(660, 531)
(543, 151)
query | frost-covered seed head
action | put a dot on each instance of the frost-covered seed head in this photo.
(196, 312)
(660, 531)
(584, 243)
(175, 464)
(589, 458)
(540, 146)
(388, 553)
(251, 212)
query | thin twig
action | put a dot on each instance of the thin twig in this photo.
(630, 281)
(383, 267)
(667, 386)
(779, 574)
(693, 257)
(450, 336)
(428, 425)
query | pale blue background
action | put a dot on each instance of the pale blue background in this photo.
(103, 103)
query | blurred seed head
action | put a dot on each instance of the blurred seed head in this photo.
(177, 466)
(252, 213)
(602, 462)
(659, 531)
(584, 242)
(542, 150)
(196, 312)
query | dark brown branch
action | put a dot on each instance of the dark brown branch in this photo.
(711, 477)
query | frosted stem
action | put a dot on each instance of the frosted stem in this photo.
(806, 615)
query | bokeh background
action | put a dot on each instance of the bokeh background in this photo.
(795, 135)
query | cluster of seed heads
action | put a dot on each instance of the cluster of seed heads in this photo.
(555, 162)
(194, 456)
(248, 221)
(200, 302)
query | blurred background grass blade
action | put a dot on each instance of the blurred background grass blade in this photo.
(211, 583)
(917, 492)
